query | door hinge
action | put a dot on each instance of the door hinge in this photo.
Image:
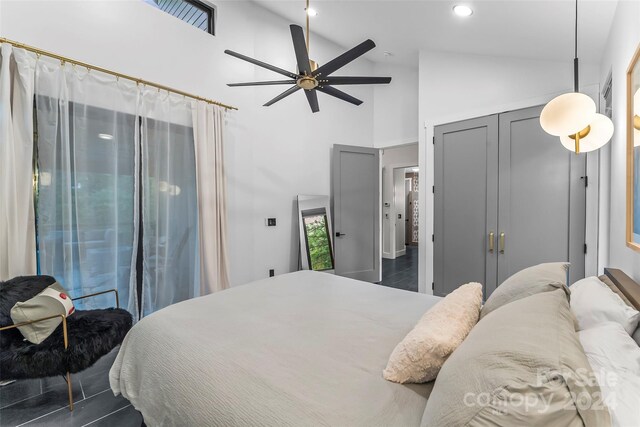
(433, 286)
(585, 248)
(433, 238)
(434, 140)
(586, 180)
(433, 189)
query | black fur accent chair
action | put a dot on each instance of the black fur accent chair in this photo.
(90, 335)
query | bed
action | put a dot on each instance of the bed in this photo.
(308, 349)
(303, 348)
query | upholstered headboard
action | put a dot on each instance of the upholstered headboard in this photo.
(625, 284)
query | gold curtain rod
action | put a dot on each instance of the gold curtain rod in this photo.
(64, 59)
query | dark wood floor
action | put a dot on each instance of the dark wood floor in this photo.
(44, 402)
(402, 272)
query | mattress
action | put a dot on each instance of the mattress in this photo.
(300, 349)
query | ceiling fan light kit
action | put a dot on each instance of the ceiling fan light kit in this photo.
(309, 76)
(572, 116)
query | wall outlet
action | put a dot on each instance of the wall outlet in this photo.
(270, 222)
(272, 272)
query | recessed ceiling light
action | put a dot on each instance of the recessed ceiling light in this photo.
(312, 12)
(462, 10)
(106, 136)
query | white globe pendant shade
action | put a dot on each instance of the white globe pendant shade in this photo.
(600, 133)
(568, 114)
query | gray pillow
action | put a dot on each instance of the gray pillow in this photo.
(523, 365)
(530, 281)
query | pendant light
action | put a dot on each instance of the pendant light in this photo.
(572, 116)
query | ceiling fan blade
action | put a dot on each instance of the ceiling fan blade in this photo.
(282, 95)
(300, 47)
(345, 58)
(355, 80)
(339, 94)
(312, 97)
(272, 82)
(262, 64)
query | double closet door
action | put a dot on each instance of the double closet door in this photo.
(507, 196)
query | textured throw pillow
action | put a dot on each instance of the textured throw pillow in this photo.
(420, 355)
(594, 303)
(521, 366)
(530, 281)
(50, 302)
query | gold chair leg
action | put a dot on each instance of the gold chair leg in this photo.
(70, 391)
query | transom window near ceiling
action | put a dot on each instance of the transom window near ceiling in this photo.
(194, 12)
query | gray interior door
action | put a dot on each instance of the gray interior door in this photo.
(466, 203)
(542, 198)
(356, 204)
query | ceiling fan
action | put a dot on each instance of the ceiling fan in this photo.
(310, 77)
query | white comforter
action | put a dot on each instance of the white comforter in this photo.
(299, 349)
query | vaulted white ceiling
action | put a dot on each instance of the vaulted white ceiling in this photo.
(541, 29)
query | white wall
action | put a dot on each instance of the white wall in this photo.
(395, 111)
(623, 41)
(457, 87)
(390, 158)
(272, 154)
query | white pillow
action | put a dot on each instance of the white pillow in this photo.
(593, 303)
(615, 360)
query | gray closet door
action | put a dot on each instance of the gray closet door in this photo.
(356, 206)
(466, 203)
(542, 198)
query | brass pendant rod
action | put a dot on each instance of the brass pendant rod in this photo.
(576, 86)
(307, 13)
(64, 59)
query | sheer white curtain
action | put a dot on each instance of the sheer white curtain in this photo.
(17, 230)
(208, 125)
(169, 212)
(116, 161)
(87, 214)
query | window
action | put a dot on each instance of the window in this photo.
(85, 219)
(85, 199)
(194, 12)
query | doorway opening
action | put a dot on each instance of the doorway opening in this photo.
(400, 213)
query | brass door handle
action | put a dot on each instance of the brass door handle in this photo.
(491, 241)
(502, 242)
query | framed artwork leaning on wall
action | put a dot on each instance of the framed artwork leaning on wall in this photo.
(633, 152)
